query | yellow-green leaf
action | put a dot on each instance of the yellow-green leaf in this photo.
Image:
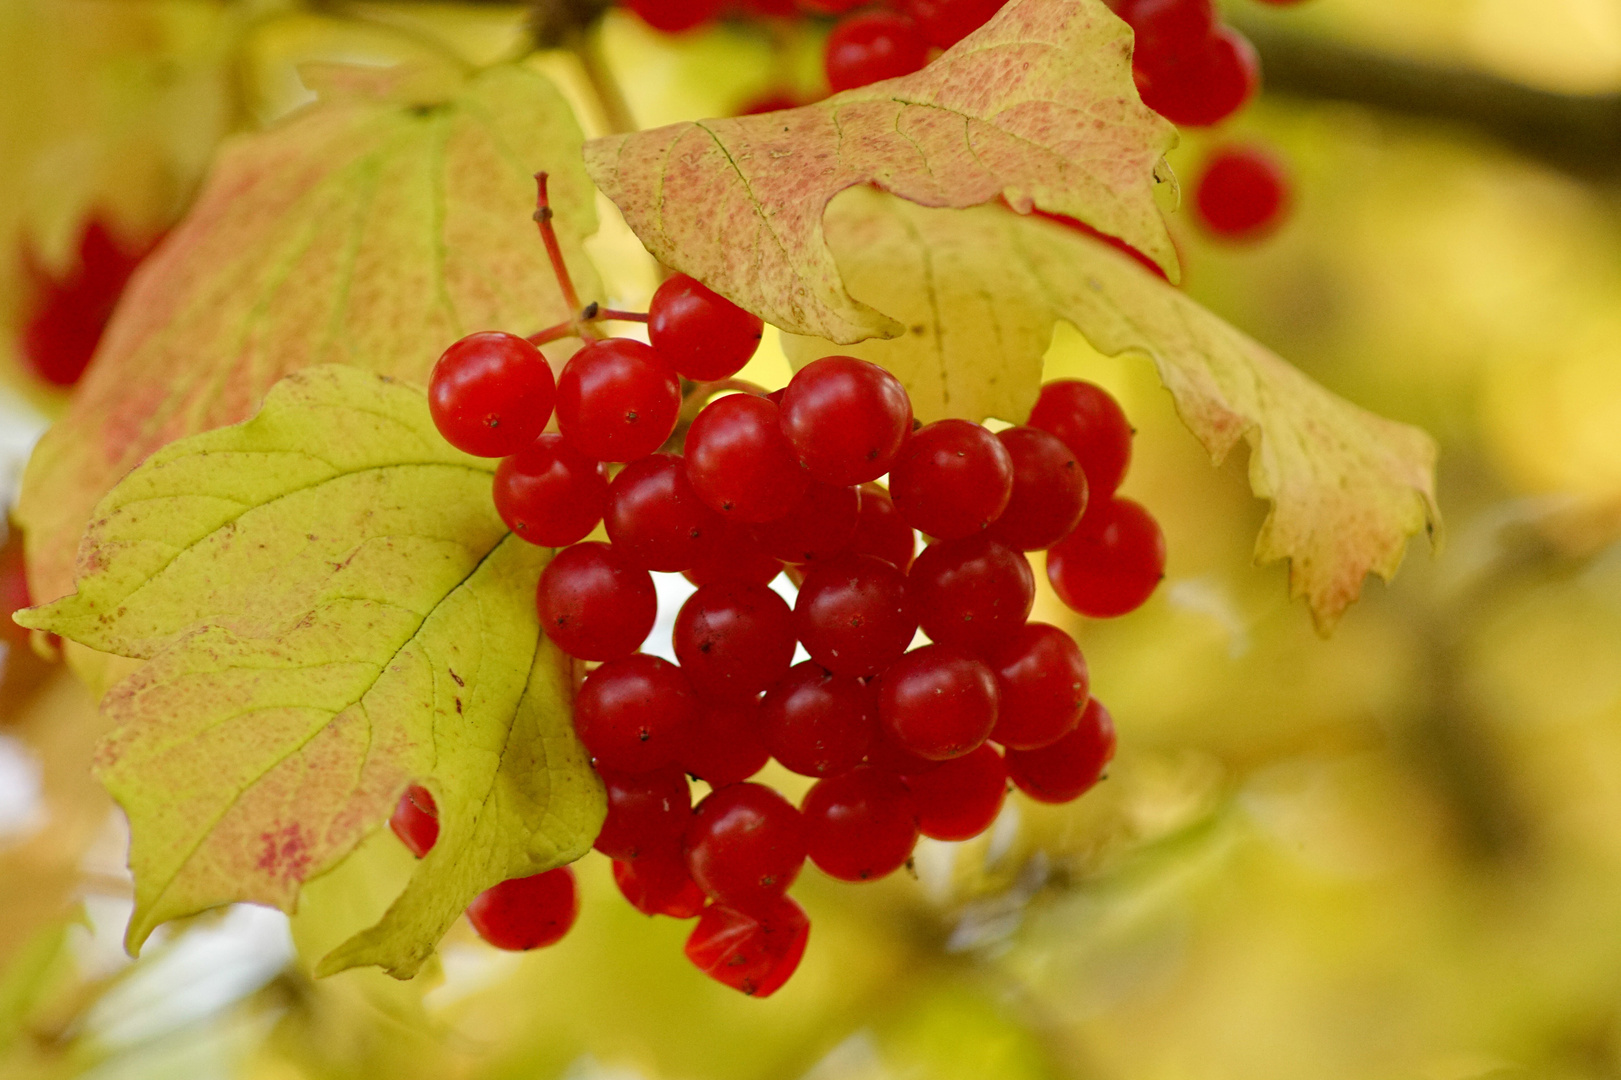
(365, 232)
(330, 609)
(1037, 107)
(981, 290)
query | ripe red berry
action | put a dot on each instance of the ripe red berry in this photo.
(960, 798)
(1202, 83)
(594, 604)
(528, 912)
(1161, 25)
(745, 846)
(1042, 683)
(66, 321)
(549, 493)
(726, 746)
(1049, 491)
(972, 592)
(739, 462)
(655, 519)
(617, 400)
(1069, 767)
(1111, 563)
(830, 7)
(734, 640)
(890, 756)
(675, 16)
(703, 335)
(871, 47)
(1091, 423)
(660, 885)
(635, 714)
(946, 22)
(846, 419)
(952, 479)
(853, 614)
(816, 723)
(860, 826)
(1242, 194)
(416, 820)
(753, 953)
(735, 555)
(647, 813)
(491, 394)
(880, 530)
(822, 525)
(771, 8)
(938, 702)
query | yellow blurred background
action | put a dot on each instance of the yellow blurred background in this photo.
(1392, 854)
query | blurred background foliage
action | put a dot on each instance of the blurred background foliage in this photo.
(1393, 854)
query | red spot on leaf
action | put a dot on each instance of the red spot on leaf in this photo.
(285, 852)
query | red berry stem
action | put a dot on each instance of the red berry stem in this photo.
(554, 250)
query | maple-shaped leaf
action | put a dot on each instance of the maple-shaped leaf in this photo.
(330, 609)
(982, 289)
(1037, 107)
(367, 232)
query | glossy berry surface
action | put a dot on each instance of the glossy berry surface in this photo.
(871, 47)
(860, 826)
(938, 702)
(739, 462)
(823, 524)
(594, 604)
(1242, 194)
(1042, 684)
(660, 885)
(1088, 420)
(734, 640)
(1200, 84)
(549, 493)
(846, 419)
(880, 530)
(972, 592)
(635, 714)
(726, 745)
(1111, 563)
(745, 846)
(951, 479)
(1049, 491)
(675, 16)
(703, 335)
(816, 723)
(752, 953)
(617, 400)
(647, 813)
(1070, 767)
(735, 555)
(654, 518)
(491, 394)
(946, 22)
(416, 820)
(854, 614)
(960, 798)
(527, 913)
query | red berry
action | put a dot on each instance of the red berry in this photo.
(952, 479)
(1049, 491)
(660, 885)
(881, 532)
(617, 400)
(745, 846)
(752, 953)
(594, 604)
(726, 746)
(775, 101)
(734, 640)
(655, 519)
(703, 335)
(527, 913)
(1199, 84)
(735, 555)
(846, 419)
(549, 493)
(1042, 683)
(771, 8)
(960, 798)
(854, 615)
(739, 462)
(1161, 25)
(675, 16)
(869, 48)
(1242, 194)
(971, 592)
(635, 714)
(1111, 563)
(647, 813)
(860, 826)
(1069, 767)
(822, 525)
(938, 702)
(890, 756)
(831, 7)
(1091, 423)
(816, 723)
(491, 394)
(416, 820)
(946, 22)
(66, 321)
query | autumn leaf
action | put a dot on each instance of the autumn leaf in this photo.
(365, 232)
(981, 290)
(1037, 107)
(330, 608)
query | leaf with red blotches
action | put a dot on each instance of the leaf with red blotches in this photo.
(1037, 107)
